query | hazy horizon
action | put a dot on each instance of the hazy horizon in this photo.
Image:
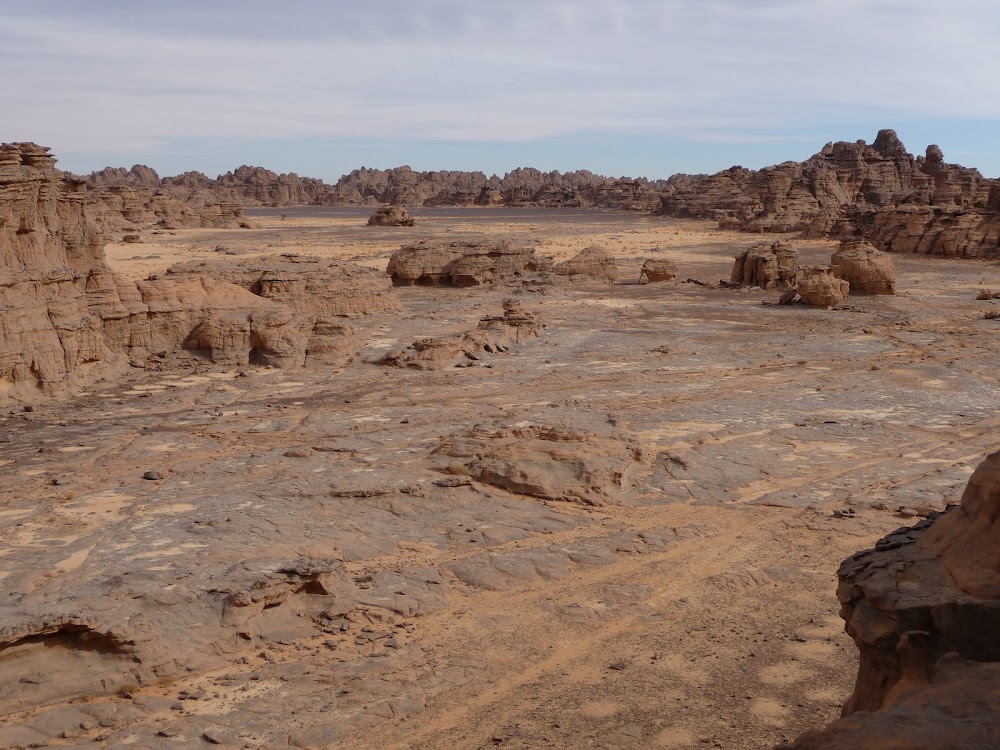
(635, 88)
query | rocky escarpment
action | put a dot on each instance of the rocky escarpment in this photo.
(66, 318)
(897, 201)
(923, 607)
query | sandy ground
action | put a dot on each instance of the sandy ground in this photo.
(698, 611)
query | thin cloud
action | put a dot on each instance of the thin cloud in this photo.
(125, 76)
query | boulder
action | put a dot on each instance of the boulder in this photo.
(463, 263)
(591, 264)
(658, 269)
(766, 265)
(864, 267)
(817, 286)
(391, 216)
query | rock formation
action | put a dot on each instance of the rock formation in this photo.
(391, 216)
(590, 264)
(923, 607)
(65, 317)
(817, 286)
(400, 186)
(463, 263)
(898, 202)
(549, 462)
(657, 269)
(494, 335)
(865, 268)
(766, 265)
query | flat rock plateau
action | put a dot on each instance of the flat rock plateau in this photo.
(520, 514)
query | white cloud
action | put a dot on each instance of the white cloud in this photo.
(113, 76)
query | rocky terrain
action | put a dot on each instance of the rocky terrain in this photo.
(310, 485)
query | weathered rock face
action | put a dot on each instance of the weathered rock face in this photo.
(591, 264)
(463, 264)
(767, 265)
(818, 287)
(391, 216)
(864, 267)
(54, 286)
(924, 609)
(550, 462)
(494, 335)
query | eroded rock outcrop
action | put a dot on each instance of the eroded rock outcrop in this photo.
(494, 335)
(463, 263)
(550, 462)
(766, 265)
(593, 264)
(864, 267)
(391, 216)
(923, 607)
(817, 286)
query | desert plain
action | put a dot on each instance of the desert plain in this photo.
(742, 449)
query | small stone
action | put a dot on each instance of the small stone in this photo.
(298, 453)
(153, 475)
(907, 512)
(618, 666)
(212, 737)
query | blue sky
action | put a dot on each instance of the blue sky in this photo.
(634, 87)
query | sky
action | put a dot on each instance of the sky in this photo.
(628, 87)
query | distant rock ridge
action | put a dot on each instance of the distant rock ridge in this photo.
(401, 186)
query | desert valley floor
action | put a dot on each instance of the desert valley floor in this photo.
(411, 606)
